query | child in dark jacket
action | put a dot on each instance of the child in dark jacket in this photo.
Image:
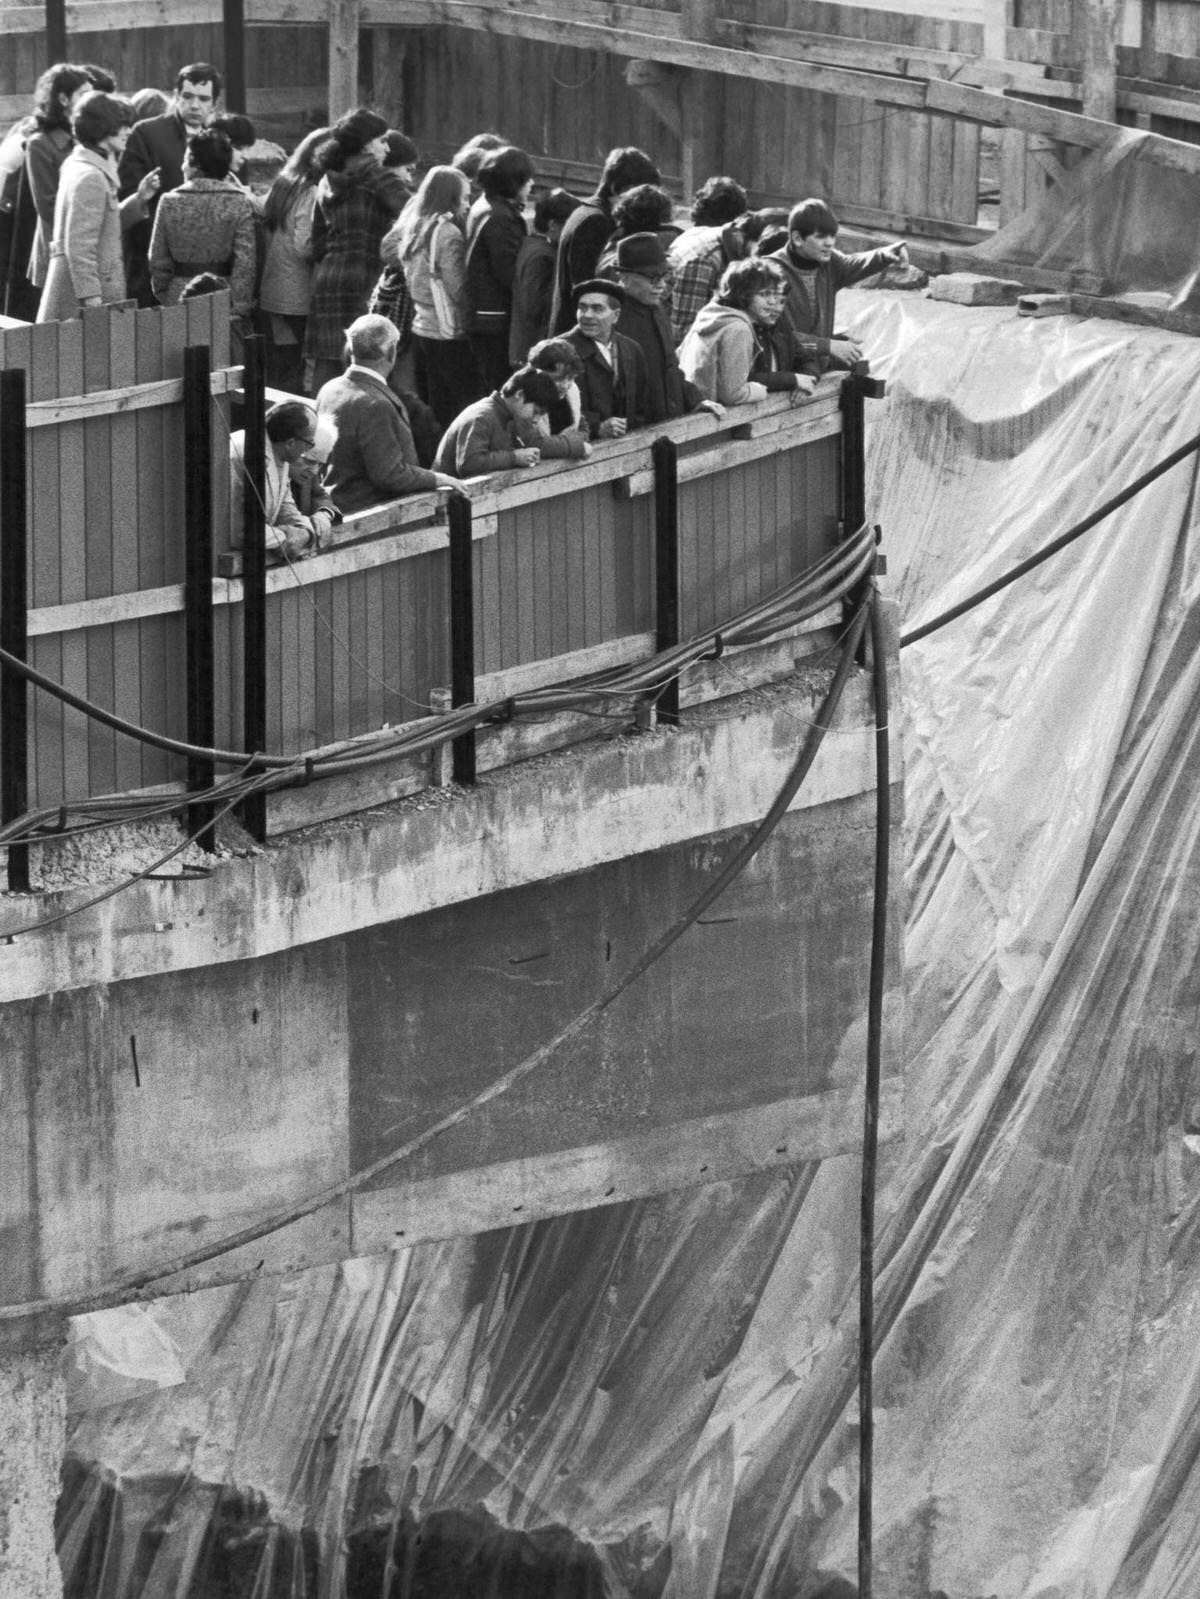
(506, 430)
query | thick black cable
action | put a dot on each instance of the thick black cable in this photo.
(870, 1141)
(1072, 533)
(809, 584)
(819, 586)
(8, 934)
(120, 1289)
(173, 746)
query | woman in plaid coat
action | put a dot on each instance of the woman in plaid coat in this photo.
(358, 199)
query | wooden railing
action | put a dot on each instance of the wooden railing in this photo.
(361, 636)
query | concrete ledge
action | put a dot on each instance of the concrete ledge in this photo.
(639, 792)
(688, 1154)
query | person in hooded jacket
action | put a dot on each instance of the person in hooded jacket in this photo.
(732, 352)
(358, 199)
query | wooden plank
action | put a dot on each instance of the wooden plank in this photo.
(737, 452)
(344, 20)
(175, 321)
(120, 401)
(17, 353)
(934, 260)
(1094, 26)
(127, 539)
(99, 335)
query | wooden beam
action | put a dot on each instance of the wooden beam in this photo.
(389, 50)
(1094, 36)
(658, 86)
(56, 31)
(114, 402)
(344, 18)
(233, 29)
(985, 107)
(934, 260)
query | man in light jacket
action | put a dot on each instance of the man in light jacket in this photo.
(291, 429)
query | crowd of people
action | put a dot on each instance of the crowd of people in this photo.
(434, 330)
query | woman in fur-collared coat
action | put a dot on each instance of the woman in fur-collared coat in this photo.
(206, 225)
(85, 266)
(358, 199)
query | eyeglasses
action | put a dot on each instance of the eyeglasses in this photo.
(770, 294)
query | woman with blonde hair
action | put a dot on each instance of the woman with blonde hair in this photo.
(428, 241)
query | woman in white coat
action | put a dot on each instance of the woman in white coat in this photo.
(85, 266)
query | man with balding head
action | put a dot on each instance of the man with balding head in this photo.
(374, 458)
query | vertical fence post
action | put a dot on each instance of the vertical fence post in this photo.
(197, 581)
(233, 59)
(856, 390)
(854, 457)
(14, 691)
(462, 628)
(253, 809)
(666, 564)
(56, 31)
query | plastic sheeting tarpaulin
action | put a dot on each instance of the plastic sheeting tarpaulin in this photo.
(1116, 215)
(658, 1399)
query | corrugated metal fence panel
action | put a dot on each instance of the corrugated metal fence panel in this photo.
(563, 573)
(749, 529)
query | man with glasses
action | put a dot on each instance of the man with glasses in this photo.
(643, 273)
(291, 442)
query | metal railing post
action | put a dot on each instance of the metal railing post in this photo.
(197, 581)
(462, 629)
(253, 809)
(858, 387)
(666, 564)
(14, 603)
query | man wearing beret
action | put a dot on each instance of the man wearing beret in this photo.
(612, 385)
(644, 275)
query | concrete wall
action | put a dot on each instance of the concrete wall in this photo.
(191, 1057)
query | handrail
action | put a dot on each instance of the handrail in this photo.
(611, 461)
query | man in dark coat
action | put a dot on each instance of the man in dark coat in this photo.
(589, 229)
(643, 273)
(374, 458)
(612, 385)
(158, 144)
(815, 271)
